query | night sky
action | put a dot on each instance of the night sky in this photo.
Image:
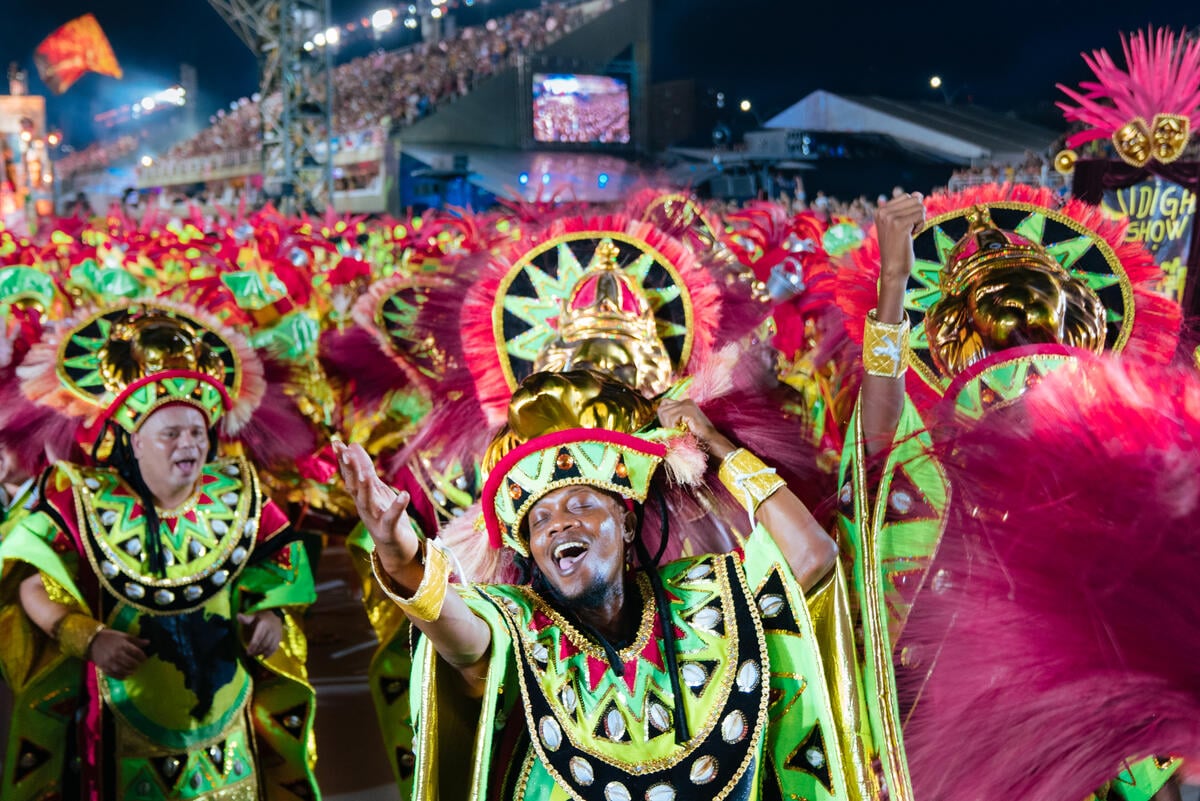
(1006, 56)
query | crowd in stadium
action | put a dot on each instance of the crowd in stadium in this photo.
(381, 89)
(400, 86)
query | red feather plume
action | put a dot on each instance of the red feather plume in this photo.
(1063, 637)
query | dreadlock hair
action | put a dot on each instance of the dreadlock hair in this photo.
(122, 459)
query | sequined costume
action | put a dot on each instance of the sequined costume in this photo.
(558, 723)
(199, 719)
(1086, 291)
(720, 691)
(646, 297)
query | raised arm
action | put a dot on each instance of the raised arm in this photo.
(882, 395)
(461, 639)
(809, 551)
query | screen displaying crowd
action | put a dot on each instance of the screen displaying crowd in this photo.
(580, 108)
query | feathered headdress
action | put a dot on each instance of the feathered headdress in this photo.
(1064, 602)
(124, 361)
(1150, 108)
(1091, 248)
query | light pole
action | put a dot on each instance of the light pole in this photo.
(748, 108)
(936, 82)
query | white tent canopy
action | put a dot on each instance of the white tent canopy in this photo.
(962, 134)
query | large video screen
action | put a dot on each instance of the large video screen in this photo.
(580, 108)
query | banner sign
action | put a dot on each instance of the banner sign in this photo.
(1161, 215)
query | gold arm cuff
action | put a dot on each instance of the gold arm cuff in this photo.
(75, 633)
(885, 347)
(749, 480)
(426, 603)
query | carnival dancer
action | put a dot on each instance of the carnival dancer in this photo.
(603, 673)
(614, 294)
(998, 290)
(150, 604)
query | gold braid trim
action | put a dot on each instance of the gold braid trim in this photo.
(885, 347)
(748, 479)
(426, 603)
(75, 632)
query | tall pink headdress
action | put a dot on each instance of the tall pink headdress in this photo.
(1150, 108)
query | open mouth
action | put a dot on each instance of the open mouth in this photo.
(186, 465)
(569, 554)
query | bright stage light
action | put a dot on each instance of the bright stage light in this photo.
(319, 40)
(147, 161)
(53, 139)
(309, 47)
(148, 104)
(744, 105)
(523, 178)
(936, 82)
(411, 22)
(383, 18)
(436, 13)
(332, 36)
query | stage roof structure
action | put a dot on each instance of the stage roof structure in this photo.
(962, 134)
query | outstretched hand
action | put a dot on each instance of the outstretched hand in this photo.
(381, 508)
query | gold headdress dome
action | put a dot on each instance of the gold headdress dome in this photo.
(985, 247)
(607, 324)
(577, 427)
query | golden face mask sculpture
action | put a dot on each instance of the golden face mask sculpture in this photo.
(1000, 290)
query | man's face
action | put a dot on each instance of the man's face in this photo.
(577, 537)
(170, 448)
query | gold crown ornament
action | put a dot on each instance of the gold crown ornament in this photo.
(607, 324)
(125, 361)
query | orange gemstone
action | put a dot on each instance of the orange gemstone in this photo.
(622, 471)
(565, 461)
(515, 492)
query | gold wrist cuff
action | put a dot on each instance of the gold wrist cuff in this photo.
(885, 347)
(426, 603)
(749, 480)
(75, 633)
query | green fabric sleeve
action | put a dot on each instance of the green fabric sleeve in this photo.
(30, 542)
(447, 724)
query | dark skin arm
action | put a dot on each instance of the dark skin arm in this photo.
(461, 639)
(809, 551)
(882, 397)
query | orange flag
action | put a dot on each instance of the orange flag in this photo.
(78, 47)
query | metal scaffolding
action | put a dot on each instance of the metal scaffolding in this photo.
(295, 95)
